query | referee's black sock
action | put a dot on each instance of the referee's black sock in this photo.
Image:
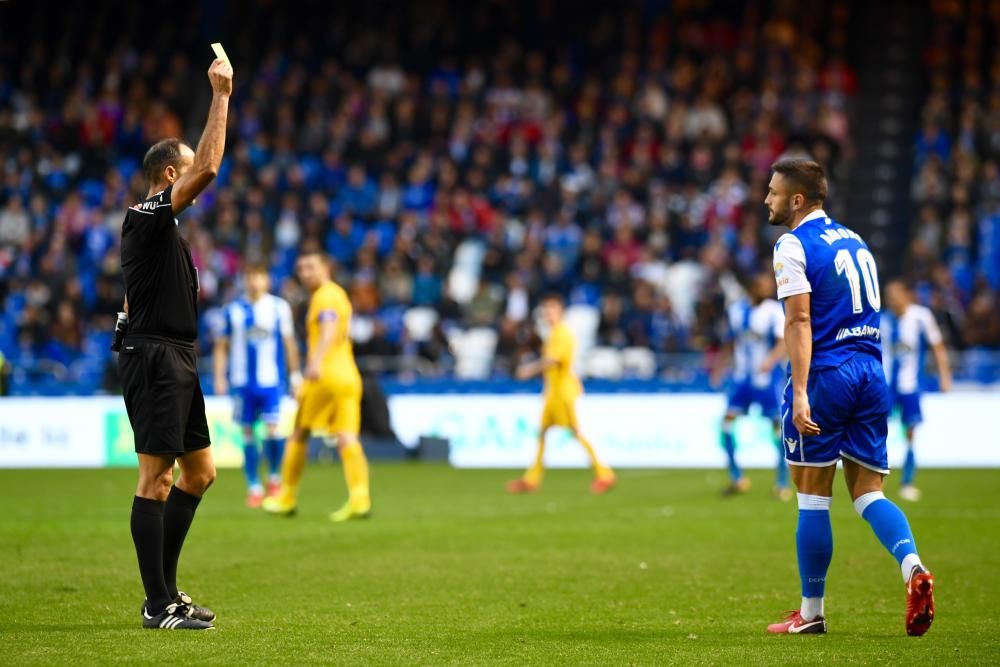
(147, 535)
(177, 517)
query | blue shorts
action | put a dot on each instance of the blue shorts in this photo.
(251, 405)
(744, 394)
(909, 408)
(851, 405)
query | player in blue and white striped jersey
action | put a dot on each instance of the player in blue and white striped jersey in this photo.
(257, 347)
(757, 345)
(908, 332)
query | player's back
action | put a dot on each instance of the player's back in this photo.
(847, 392)
(330, 303)
(832, 262)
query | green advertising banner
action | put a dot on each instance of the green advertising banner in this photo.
(226, 434)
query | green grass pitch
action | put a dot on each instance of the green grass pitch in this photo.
(452, 571)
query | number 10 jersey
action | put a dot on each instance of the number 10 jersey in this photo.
(833, 263)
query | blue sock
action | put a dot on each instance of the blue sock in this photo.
(814, 545)
(909, 466)
(890, 526)
(782, 466)
(274, 448)
(729, 444)
(251, 461)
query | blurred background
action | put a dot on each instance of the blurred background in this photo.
(459, 159)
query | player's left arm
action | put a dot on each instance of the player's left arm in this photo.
(327, 336)
(936, 340)
(798, 339)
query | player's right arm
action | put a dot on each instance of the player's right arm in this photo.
(795, 290)
(721, 364)
(777, 353)
(798, 339)
(287, 329)
(220, 356)
(208, 155)
(558, 352)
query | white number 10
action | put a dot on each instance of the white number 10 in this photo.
(846, 266)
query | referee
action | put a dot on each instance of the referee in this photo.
(158, 365)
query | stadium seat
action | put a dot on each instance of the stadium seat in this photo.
(583, 320)
(473, 350)
(419, 323)
(362, 329)
(638, 362)
(462, 285)
(463, 279)
(604, 363)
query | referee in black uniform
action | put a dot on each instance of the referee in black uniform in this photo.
(158, 364)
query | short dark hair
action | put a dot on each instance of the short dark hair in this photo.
(162, 154)
(806, 177)
(553, 296)
(256, 267)
(314, 250)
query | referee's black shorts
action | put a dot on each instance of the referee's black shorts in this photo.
(163, 396)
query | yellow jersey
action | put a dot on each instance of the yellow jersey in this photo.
(330, 303)
(560, 380)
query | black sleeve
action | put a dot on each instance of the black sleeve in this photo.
(153, 215)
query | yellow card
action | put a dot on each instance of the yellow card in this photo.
(220, 52)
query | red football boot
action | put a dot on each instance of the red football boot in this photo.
(602, 485)
(919, 603)
(521, 485)
(794, 624)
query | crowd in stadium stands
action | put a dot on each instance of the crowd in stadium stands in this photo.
(622, 165)
(954, 252)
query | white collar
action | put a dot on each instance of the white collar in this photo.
(815, 215)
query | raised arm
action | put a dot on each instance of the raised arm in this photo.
(208, 155)
(798, 339)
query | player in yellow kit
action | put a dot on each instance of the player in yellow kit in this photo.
(562, 388)
(330, 398)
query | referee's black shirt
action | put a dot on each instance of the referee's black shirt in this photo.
(160, 279)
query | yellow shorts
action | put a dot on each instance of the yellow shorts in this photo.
(325, 407)
(559, 411)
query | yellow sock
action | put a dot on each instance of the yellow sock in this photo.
(292, 465)
(600, 469)
(533, 475)
(355, 463)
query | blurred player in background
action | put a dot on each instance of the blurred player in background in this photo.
(330, 398)
(258, 336)
(756, 346)
(562, 388)
(911, 329)
(828, 281)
